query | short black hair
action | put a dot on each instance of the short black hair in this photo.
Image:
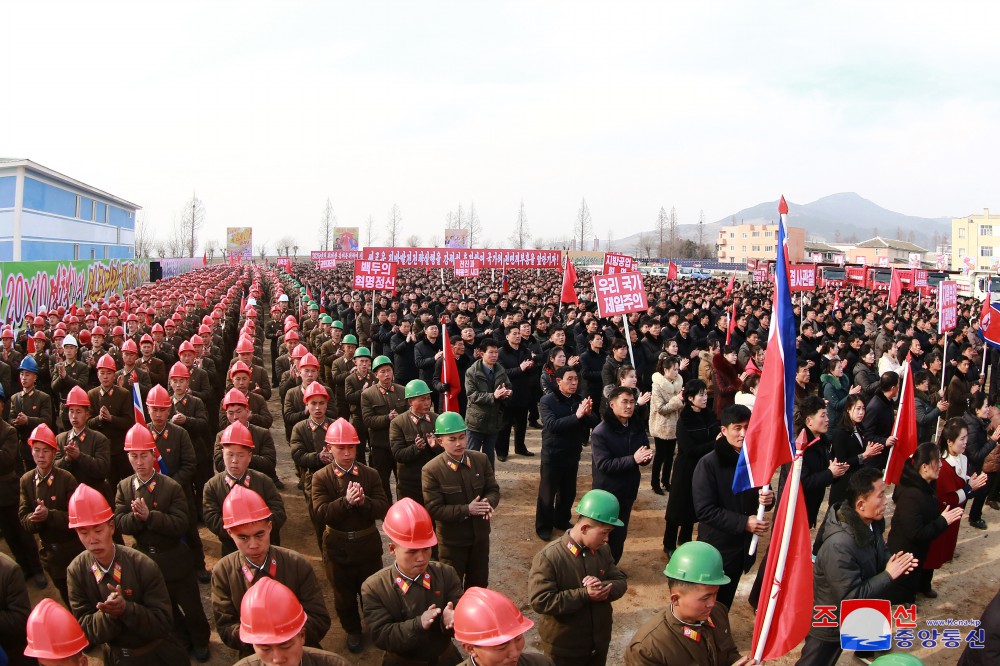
(485, 345)
(619, 390)
(861, 484)
(734, 414)
(561, 371)
(888, 381)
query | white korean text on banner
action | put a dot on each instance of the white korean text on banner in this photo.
(618, 263)
(947, 305)
(374, 275)
(466, 268)
(801, 277)
(620, 293)
(439, 257)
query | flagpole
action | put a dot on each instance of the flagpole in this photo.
(760, 516)
(628, 339)
(792, 487)
(895, 425)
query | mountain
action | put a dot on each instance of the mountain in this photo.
(855, 217)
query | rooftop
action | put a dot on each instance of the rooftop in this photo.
(892, 243)
(11, 162)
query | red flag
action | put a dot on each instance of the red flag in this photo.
(672, 271)
(204, 259)
(984, 313)
(788, 605)
(905, 428)
(732, 324)
(732, 283)
(243, 303)
(836, 301)
(895, 288)
(449, 375)
(30, 343)
(569, 282)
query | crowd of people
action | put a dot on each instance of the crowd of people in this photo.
(138, 418)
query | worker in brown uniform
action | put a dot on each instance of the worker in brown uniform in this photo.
(411, 436)
(83, 451)
(248, 520)
(68, 374)
(152, 508)
(273, 621)
(260, 414)
(347, 498)
(199, 383)
(340, 368)
(309, 449)
(380, 404)
(461, 494)
(329, 350)
(54, 637)
(491, 630)
(258, 376)
(29, 408)
(293, 407)
(130, 372)
(572, 583)
(148, 361)
(265, 457)
(111, 414)
(189, 412)
(45, 493)
(237, 449)
(354, 385)
(116, 593)
(410, 605)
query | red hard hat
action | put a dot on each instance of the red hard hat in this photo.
(251, 313)
(487, 618)
(340, 432)
(207, 320)
(84, 337)
(197, 340)
(308, 361)
(138, 438)
(77, 397)
(53, 632)
(87, 508)
(270, 614)
(107, 363)
(146, 337)
(132, 317)
(235, 397)
(409, 525)
(186, 346)
(98, 331)
(243, 506)
(42, 433)
(130, 346)
(38, 321)
(113, 313)
(40, 336)
(179, 371)
(158, 397)
(239, 367)
(237, 433)
(244, 346)
(7, 333)
(58, 333)
(315, 390)
(118, 330)
(204, 330)
(103, 320)
(157, 328)
(291, 335)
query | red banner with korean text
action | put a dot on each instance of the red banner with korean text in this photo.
(285, 263)
(947, 305)
(618, 263)
(374, 275)
(620, 293)
(466, 268)
(341, 255)
(442, 257)
(325, 263)
(801, 277)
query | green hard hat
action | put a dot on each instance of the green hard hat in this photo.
(696, 562)
(349, 339)
(416, 388)
(447, 423)
(600, 505)
(325, 319)
(898, 659)
(363, 352)
(338, 324)
(302, 290)
(379, 362)
(313, 305)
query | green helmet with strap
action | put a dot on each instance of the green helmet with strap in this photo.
(313, 305)
(696, 562)
(362, 352)
(325, 319)
(379, 362)
(338, 324)
(898, 659)
(447, 423)
(349, 339)
(600, 505)
(416, 388)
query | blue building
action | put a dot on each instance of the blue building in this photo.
(45, 215)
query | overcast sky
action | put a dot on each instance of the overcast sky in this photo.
(267, 109)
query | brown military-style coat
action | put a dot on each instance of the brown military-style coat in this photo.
(16, 607)
(264, 457)
(196, 423)
(526, 659)
(36, 405)
(391, 605)
(329, 485)
(177, 451)
(310, 657)
(159, 536)
(449, 486)
(307, 442)
(662, 640)
(92, 465)
(218, 488)
(376, 403)
(260, 413)
(124, 378)
(410, 460)
(156, 369)
(232, 576)
(339, 370)
(200, 385)
(10, 490)
(119, 403)
(354, 386)
(77, 374)
(570, 624)
(59, 543)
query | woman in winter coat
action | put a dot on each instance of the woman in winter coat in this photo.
(917, 521)
(865, 374)
(929, 407)
(747, 396)
(979, 445)
(836, 388)
(665, 408)
(954, 486)
(556, 358)
(850, 444)
(697, 430)
(726, 377)
(705, 357)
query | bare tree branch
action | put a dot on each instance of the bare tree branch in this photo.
(521, 234)
(369, 230)
(143, 236)
(192, 219)
(326, 225)
(584, 224)
(394, 226)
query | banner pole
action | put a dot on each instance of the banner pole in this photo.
(628, 339)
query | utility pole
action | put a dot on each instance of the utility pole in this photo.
(193, 200)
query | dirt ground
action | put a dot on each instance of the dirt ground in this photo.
(966, 585)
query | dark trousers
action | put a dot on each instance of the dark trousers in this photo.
(663, 462)
(978, 502)
(819, 653)
(381, 460)
(676, 534)
(346, 579)
(616, 540)
(556, 494)
(599, 657)
(515, 418)
(727, 592)
(120, 468)
(479, 441)
(22, 545)
(189, 615)
(472, 563)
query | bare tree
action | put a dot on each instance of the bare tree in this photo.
(413, 241)
(701, 228)
(584, 223)
(672, 227)
(177, 241)
(295, 251)
(284, 245)
(326, 224)
(521, 234)
(211, 248)
(261, 251)
(393, 226)
(370, 230)
(539, 243)
(435, 241)
(143, 237)
(160, 248)
(645, 246)
(475, 226)
(662, 229)
(192, 219)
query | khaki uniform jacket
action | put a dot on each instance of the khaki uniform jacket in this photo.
(260, 413)
(148, 616)
(339, 371)
(393, 616)
(354, 386)
(156, 369)
(15, 608)
(526, 659)
(449, 487)
(232, 576)
(159, 536)
(200, 385)
(294, 409)
(37, 406)
(196, 423)
(92, 465)
(217, 488)
(59, 543)
(264, 457)
(177, 451)
(376, 403)
(571, 625)
(124, 378)
(329, 485)
(307, 442)
(119, 403)
(410, 460)
(77, 374)
(310, 657)
(484, 413)
(662, 640)
(329, 351)
(10, 490)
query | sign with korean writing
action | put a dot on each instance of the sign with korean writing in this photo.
(618, 263)
(760, 274)
(919, 278)
(284, 262)
(947, 305)
(817, 257)
(751, 264)
(801, 277)
(855, 275)
(619, 294)
(861, 259)
(914, 259)
(440, 257)
(239, 242)
(339, 255)
(883, 262)
(374, 275)
(466, 268)
(326, 263)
